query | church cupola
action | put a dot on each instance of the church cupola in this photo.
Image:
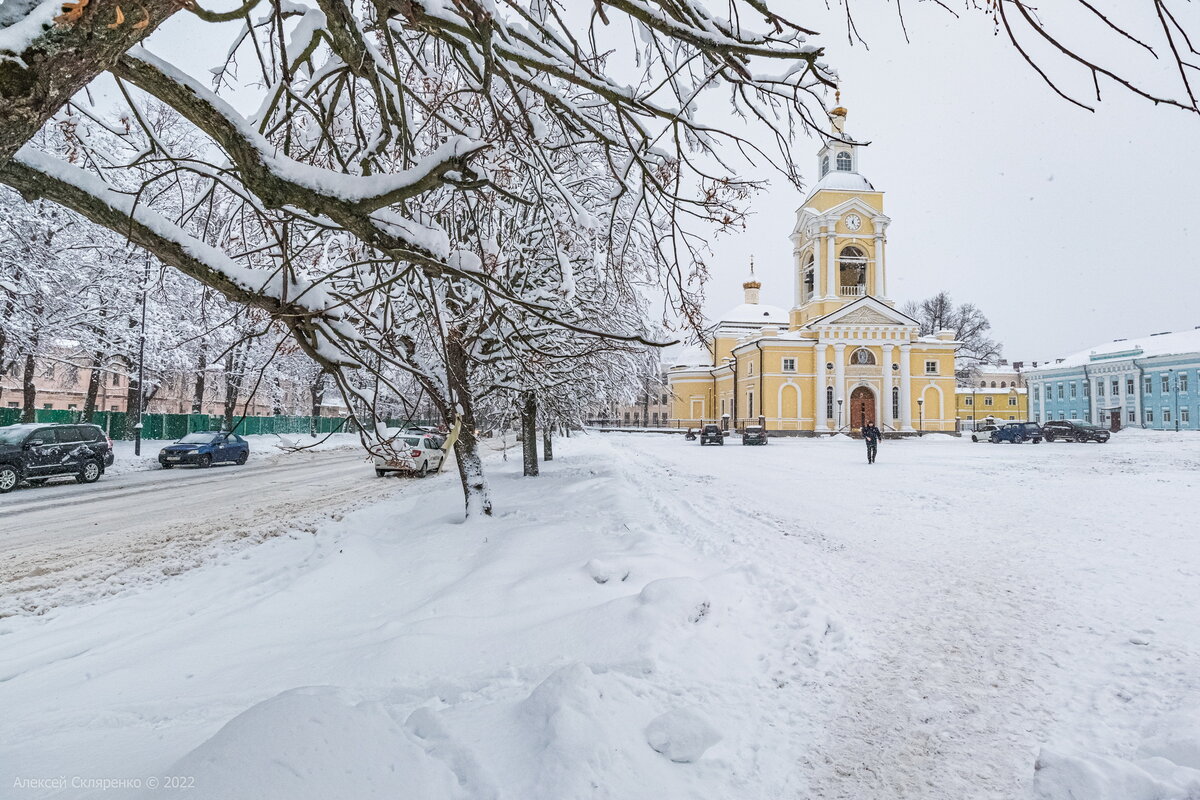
(752, 286)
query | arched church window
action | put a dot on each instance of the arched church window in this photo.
(1003, 384)
(895, 402)
(844, 162)
(983, 384)
(993, 384)
(824, 166)
(853, 267)
(810, 278)
(862, 356)
(829, 402)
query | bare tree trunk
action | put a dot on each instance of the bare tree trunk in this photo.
(231, 390)
(93, 387)
(529, 433)
(131, 405)
(316, 394)
(29, 412)
(466, 449)
(547, 445)
(201, 374)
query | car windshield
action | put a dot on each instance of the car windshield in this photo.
(198, 438)
(412, 441)
(14, 435)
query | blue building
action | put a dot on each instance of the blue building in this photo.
(1148, 382)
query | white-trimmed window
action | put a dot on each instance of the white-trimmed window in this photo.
(1149, 387)
(1100, 388)
(749, 367)
(1183, 382)
(1116, 388)
(1012, 400)
(844, 162)
(987, 400)
(1062, 415)
(968, 401)
(895, 402)
(789, 365)
(1166, 384)
(1166, 415)
(1087, 388)
(931, 367)
(1129, 386)
(1074, 415)
(1185, 416)
(824, 166)
(1073, 394)
(1037, 418)
(1132, 417)
(1060, 391)
(1149, 415)
(828, 402)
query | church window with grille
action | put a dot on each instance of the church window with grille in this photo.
(829, 402)
(895, 402)
(844, 163)
(824, 166)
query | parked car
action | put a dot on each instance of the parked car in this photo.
(1016, 432)
(711, 434)
(35, 453)
(983, 433)
(1074, 430)
(411, 452)
(754, 434)
(205, 448)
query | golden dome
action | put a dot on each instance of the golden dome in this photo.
(838, 112)
(751, 285)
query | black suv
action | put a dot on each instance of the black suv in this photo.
(34, 453)
(1074, 430)
(711, 434)
(754, 434)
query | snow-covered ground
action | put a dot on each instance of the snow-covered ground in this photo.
(653, 619)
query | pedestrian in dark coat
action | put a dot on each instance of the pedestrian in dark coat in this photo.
(872, 436)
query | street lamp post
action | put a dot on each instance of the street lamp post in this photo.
(839, 413)
(920, 416)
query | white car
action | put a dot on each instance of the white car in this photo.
(409, 451)
(983, 432)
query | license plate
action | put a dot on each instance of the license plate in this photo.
(174, 458)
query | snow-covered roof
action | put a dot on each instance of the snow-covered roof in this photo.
(758, 313)
(691, 356)
(841, 180)
(988, 390)
(1161, 344)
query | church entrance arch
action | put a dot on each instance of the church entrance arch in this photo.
(862, 407)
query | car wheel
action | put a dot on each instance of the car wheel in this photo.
(424, 470)
(1037, 441)
(204, 461)
(379, 473)
(90, 473)
(974, 438)
(241, 459)
(8, 478)
(1049, 438)
(1018, 439)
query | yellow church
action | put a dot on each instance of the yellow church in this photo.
(843, 355)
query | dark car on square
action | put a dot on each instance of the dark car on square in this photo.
(1074, 430)
(34, 454)
(205, 448)
(754, 434)
(711, 434)
(1016, 432)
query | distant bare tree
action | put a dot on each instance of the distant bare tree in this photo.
(968, 322)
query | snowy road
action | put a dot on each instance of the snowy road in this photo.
(142, 519)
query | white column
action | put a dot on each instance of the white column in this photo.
(880, 267)
(905, 388)
(1139, 417)
(831, 276)
(839, 383)
(799, 273)
(818, 290)
(886, 415)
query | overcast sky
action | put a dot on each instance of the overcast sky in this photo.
(1068, 228)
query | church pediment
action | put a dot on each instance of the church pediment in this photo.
(864, 311)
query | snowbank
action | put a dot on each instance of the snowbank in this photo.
(260, 445)
(580, 648)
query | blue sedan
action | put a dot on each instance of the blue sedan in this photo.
(205, 448)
